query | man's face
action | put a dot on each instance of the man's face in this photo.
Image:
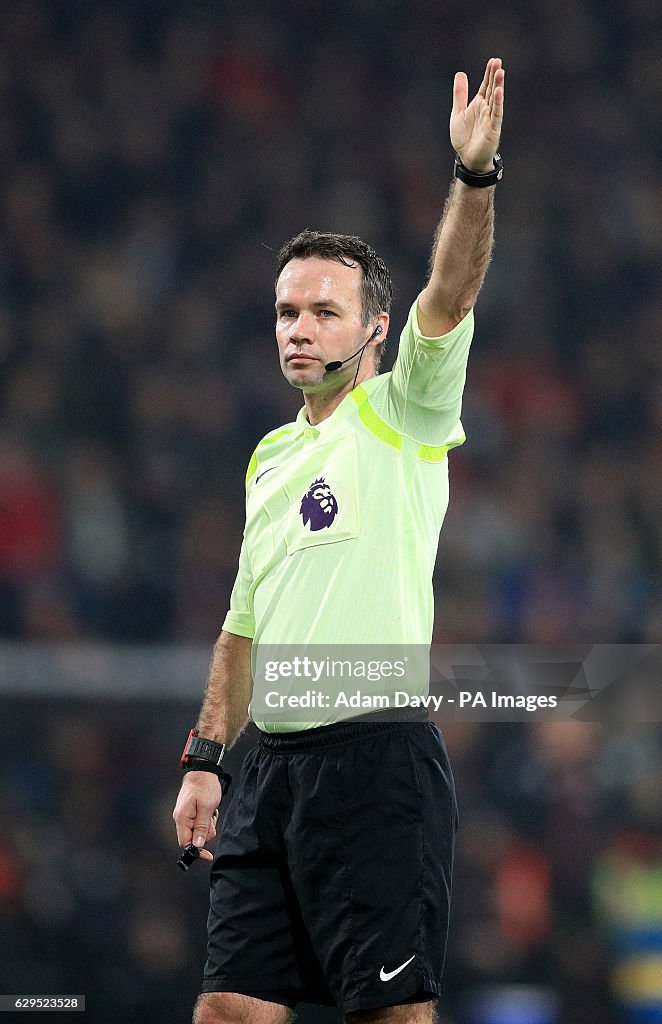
(318, 320)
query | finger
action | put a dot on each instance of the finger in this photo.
(184, 817)
(497, 80)
(496, 113)
(486, 77)
(490, 88)
(185, 832)
(493, 74)
(460, 93)
(204, 828)
(200, 833)
(490, 68)
(206, 855)
(211, 832)
(496, 77)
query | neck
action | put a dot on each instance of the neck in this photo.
(320, 404)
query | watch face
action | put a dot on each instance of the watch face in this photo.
(208, 749)
(198, 747)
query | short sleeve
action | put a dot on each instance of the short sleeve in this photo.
(424, 396)
(240, 619)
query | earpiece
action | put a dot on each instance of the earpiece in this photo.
(337, 363)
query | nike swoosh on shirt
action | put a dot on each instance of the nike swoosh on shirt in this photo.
(387, 975)
(263, 473)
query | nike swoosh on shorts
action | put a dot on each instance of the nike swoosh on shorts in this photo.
(387, 975)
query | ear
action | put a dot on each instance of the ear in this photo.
(378, 344)
(380, 321)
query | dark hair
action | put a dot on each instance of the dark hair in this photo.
(376, 284)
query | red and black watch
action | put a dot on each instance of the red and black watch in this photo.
(202, 755)
(207, 750)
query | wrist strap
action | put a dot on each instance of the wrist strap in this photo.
(479, 180)
(195, 764)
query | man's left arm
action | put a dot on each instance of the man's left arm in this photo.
(463, 240)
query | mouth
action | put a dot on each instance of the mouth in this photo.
(298, 357)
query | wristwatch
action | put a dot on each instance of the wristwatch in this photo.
(207, 750)
(202, 755)
(479, 180)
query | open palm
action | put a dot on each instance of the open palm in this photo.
(475, 127)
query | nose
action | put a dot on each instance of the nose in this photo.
(302, 329)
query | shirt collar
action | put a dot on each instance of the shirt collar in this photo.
(301, 424)
(303, 428)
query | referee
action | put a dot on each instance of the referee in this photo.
(331, 880)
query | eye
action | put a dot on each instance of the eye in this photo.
(327, 312)
(284, 313)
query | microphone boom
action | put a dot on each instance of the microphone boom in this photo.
(337, 363)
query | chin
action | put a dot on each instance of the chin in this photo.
(303, 378)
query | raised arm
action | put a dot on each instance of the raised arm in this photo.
(223, 717)
(463, 240)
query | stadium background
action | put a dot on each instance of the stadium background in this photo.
(153, 156)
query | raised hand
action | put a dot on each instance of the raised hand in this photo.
(475, 127)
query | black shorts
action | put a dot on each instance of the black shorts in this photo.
(332, 876)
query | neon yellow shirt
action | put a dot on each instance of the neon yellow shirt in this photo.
(343, 518)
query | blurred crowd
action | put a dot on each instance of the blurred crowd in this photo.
(557, 901)
(154, 155)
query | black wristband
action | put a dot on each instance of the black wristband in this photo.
(479, 180)
(199, 764)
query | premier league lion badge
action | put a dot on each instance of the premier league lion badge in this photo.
(318, 506)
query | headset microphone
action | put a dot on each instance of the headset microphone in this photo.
(337, 363)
